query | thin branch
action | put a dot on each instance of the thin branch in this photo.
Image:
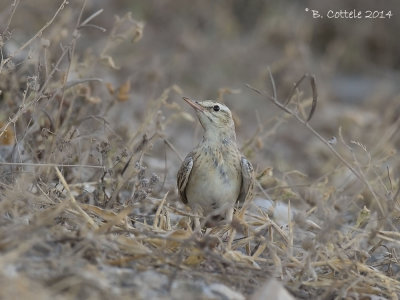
(283, 107)
(158, 212)
(102, 29)
(74, 203)
(51, 165)
(168, 143)
(272, 83)
(72, 83)
(39, 33)
(14, 6)
(91, 17)
(295, 86)
(397, 194)
(71, 52)
(25, 107)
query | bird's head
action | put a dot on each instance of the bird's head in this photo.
(216, 118)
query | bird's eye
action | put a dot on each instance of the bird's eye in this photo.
(216, 108)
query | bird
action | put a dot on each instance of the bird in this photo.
(215, 175)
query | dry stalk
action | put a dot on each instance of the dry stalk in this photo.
(38, 34)
(71, 52)
(14, 6)
(285, 108)
(75, 205)
(158, 212)
(50, 165)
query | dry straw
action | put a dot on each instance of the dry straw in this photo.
(83, 216)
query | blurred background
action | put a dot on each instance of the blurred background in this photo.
(213, 48)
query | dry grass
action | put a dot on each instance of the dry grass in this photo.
(88, 201)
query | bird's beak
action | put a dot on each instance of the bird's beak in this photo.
(193, 104)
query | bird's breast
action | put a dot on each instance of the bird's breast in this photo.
(215, 178)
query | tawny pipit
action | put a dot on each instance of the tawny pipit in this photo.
(215, 175)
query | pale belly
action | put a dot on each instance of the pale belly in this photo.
(212, 188)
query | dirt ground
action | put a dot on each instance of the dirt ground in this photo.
(93, 129)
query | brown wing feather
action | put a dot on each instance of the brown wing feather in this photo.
(183, 176)
(246, 189)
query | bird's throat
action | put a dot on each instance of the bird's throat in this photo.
(218, 139)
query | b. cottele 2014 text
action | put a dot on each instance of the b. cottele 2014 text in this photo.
(352, 14)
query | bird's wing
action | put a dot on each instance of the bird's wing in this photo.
(246, 189)
(183, 176)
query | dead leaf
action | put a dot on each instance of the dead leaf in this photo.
(8, 136)
(195, 258)
(124, 91)
(108, 60)
(110, 88)
(138, 33)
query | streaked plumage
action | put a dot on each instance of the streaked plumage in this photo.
(215, 175)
